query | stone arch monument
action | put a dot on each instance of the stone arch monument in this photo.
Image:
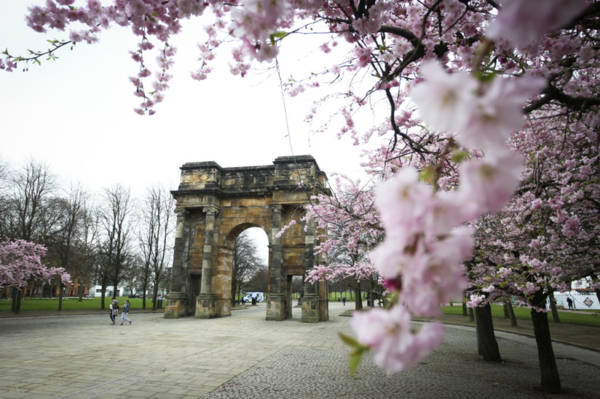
(214, 205)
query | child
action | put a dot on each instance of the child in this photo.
(125, 312)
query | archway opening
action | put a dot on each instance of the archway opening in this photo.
(250, 260)
(296, 284)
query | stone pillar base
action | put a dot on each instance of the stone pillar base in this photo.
(223, 307)
(175, 306)
(310, 308)
(206, 306)
(276, 309)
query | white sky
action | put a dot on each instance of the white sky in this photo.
(76, 113)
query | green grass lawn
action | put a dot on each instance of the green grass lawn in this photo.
(587, 319)
(36, 304)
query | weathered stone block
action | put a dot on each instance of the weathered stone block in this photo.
(276, 307)
(175, 305)
(310, 309)
(223, 307)
(206, 306)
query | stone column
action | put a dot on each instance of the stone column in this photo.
(310, 301)
(205, 305)
(276, 306)
(176, 300)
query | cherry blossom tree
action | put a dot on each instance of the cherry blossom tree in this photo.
(350, 229)
(547, 235)
(454, 79)
(21, 263)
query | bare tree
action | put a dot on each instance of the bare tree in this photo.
(89, 254)
(4, 200)
(131, 277)
(65, 240)
(246, 264)
(146, 245)
(154, 238)
(32, 188)
(258, 281)
(114, 219)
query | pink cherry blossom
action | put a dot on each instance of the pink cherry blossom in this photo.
(389, 335)
(444, 100)
(542, 16)
(496, 114)
(21, 263)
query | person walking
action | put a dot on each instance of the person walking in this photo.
(110, 312)
(125, 312)
(570, 303)
(115, 310)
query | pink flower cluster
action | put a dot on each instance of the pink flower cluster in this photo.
(425, 243)
(422, 245)
(390, 336)
(479, 115)
(21, 263)
(540, 16)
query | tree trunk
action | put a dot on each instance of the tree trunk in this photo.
(486, 340)
(505, 309)
(357, 298)
(541, 328)
(596, 290)
(80, 292)
(16, 300)
(233, 292)
(471, 316)
(102, 296)
(154, 297)
(60, 294)
(464, 306)
(511, 313)
(555, 316)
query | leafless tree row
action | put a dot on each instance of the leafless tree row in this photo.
(107, 240)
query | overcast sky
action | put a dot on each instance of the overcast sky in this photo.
(76, 114)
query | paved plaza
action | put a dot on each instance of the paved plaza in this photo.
(244, 356)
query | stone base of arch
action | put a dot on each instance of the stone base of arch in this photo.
(276, 307)
(175, 306)
(206, 306)
(310, 308)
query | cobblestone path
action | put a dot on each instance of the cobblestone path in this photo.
(244, 356)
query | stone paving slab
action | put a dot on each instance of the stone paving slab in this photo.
(244, 356)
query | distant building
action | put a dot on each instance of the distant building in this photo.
(582, 294)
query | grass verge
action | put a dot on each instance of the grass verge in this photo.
(568, 317)
(51, 304)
